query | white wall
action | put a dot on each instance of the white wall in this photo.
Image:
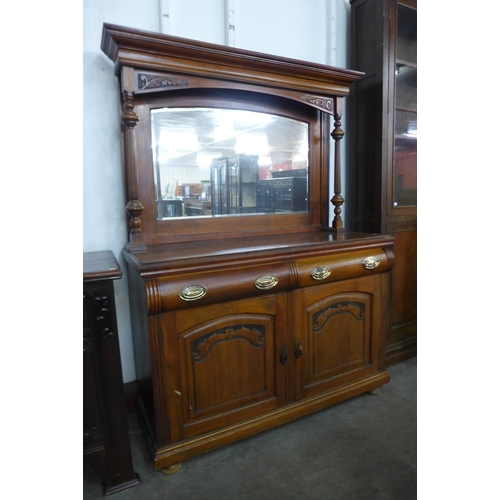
(314, 30)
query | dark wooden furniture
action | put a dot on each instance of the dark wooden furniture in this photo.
(284, 194)
(243, 322)
(384, 138)
(234, 184)
(169, 208)
(196, 207)
(106, 442)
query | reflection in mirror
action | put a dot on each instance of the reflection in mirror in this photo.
(220, 162)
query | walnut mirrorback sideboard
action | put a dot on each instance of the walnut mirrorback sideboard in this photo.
(244, 317)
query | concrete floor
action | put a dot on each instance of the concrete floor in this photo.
(361, 449)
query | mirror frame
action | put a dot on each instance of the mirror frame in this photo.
(156, 70)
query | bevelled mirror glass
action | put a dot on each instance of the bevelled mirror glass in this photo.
(216, 162)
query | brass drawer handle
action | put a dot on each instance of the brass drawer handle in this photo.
(320, 273)
(371, 262)
(266, 282)
(192, 292)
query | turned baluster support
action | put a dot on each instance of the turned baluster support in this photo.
(134, 207)
(337, 135)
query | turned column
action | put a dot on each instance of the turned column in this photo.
(337, 135)
(129, 119)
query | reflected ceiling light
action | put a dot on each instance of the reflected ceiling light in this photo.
(204, 160)
(265, 161)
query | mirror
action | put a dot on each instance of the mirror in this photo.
(217, 162)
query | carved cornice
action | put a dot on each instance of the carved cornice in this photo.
(148, 81)
(254, 334)
(355, 309)
(142, 49)
(319, 102)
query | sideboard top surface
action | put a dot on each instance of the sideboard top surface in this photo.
(247, 250)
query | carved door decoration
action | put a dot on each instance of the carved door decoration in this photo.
(209, 352)
(228, 370)
(336, 327)
(336, 339)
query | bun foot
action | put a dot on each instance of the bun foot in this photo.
(171, 469)
(375, 391)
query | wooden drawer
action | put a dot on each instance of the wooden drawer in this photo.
(328, 268)
(170, 293)
(196, 289)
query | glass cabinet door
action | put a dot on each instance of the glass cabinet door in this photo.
(405, 114)
(224, 189)
(234, 187)
(216, 168)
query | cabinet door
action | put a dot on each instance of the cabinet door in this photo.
(228, 365)
(338, 328)
(404, 162)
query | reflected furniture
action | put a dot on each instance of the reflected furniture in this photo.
(106, 442)
(196, 207)
(282, 194)
(242, 321)
(383, 194)
(234, 184)
(169, 208)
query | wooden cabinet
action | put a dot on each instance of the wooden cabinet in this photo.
(169, 208)
(242, 319)
(285, 194)
(106, 442)
(234, 182)
(383, 192)
(239, 359)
